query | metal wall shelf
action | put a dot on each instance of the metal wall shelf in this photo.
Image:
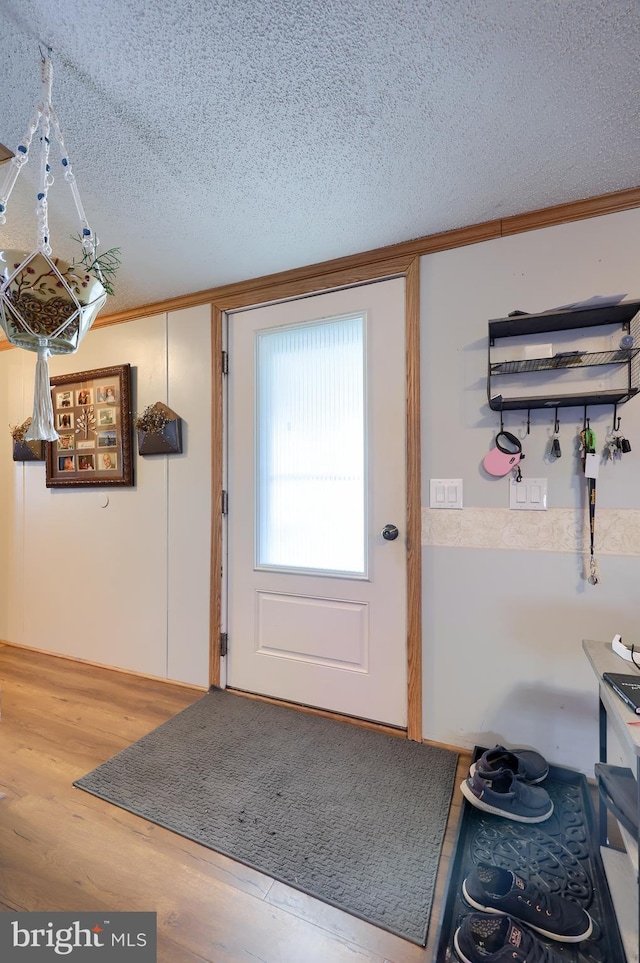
(625, 316)
(498, 403)
(577, 359)
(563, 320)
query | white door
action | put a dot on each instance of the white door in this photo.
(317, 598)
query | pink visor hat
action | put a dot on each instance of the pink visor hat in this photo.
(502, 459)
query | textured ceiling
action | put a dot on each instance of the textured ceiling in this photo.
(222, 140)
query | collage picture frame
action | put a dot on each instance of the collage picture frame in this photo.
(92, 415)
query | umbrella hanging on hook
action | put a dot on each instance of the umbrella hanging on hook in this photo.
(590, 459)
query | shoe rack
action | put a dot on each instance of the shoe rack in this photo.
(621, 868)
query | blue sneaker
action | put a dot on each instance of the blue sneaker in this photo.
(496, 890)
(499, 939)
(526, 764)
(506, 795)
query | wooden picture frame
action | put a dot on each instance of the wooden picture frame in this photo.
(92, 415)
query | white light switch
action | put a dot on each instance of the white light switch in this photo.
(445, 493)
(530, 494)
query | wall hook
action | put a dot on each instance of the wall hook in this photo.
(616, 419)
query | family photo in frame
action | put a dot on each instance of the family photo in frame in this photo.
(92, 415)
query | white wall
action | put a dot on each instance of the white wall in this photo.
(503, 628)
(124, 583)
(128, 585)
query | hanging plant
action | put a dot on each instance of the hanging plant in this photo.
(47, 305)
(45, 299)
(103, 267)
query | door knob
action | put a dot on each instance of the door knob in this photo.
(390, 532)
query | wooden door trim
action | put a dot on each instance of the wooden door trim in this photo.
(409, 268)
(217, 447)
(414, 503)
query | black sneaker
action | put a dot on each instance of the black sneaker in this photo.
(526, 764)
(496, 890)
(506, 795)
(499, 939)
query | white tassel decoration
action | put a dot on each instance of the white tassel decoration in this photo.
(42, 427)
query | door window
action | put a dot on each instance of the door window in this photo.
(310, 446)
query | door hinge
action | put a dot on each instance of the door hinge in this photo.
(224, 640)
(225, 503)
(225, 362)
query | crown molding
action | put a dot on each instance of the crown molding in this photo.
(387, 261)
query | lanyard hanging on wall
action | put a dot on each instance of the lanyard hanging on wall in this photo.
(588, 446)
(593, 565)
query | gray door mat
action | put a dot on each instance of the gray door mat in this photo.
(561, 854)
(351, 816)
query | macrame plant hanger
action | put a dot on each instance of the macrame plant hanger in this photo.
(47, 305)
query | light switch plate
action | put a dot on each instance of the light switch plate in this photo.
(529, 495)
(445, 493)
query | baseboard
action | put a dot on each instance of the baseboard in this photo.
(101, 665)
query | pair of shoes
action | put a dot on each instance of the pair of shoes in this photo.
(526, 764)
(503, 782)
(505, 795)
(499, 939)
(502, 892)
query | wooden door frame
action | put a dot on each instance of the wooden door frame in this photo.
(288, 286)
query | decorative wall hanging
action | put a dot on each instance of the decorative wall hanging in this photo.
(92, 413)
(159, 431)
(24, 450)
(47, 305)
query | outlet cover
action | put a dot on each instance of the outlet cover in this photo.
(445, 493)
(528, 495)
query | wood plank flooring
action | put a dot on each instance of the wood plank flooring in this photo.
(62, 849)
